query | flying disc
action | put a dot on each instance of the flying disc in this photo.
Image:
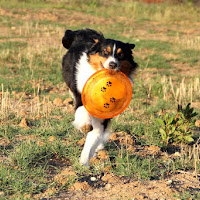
(106, 93)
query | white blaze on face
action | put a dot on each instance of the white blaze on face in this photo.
(110, 59)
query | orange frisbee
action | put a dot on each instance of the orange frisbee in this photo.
(106, 93)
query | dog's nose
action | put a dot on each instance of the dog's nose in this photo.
(112, 65)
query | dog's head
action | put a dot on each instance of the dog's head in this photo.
(113, 55)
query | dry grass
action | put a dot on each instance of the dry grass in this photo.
(21, 104)
(181, 92)
(189, 42)
(5, 103)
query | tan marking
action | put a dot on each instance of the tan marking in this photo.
(96, 60)
(126, 67)
(108, 49)
(96, 40)
(120, 53)
(119, 50)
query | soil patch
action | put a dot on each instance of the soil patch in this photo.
(113, 187)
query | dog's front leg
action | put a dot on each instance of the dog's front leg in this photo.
(93, 139)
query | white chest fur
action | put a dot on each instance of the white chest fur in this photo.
(83, 72)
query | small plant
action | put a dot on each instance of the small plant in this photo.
(168, 129)
(188, 112)
(177, 129)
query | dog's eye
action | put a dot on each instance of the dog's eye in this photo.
(105, 52)
(120, 55)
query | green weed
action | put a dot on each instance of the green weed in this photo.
(177, 129)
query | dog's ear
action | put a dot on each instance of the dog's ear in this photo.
(95, 47)
(68, 38)
(131, 46)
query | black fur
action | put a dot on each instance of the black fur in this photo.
(77, 42)
(85, 37)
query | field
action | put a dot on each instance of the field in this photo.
(154, 151)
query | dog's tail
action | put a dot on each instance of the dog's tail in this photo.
(80, 36)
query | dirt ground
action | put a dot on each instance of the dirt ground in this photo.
(110, 186)
(113, 187)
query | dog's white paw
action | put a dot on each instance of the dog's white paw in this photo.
(84, 160)
(82, 120)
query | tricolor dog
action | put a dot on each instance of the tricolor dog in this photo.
(88, 52)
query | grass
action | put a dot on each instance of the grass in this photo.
(32, 152)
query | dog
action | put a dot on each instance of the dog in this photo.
(89, 51)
